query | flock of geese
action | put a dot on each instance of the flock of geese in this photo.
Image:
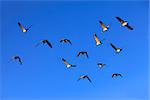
(84, 53)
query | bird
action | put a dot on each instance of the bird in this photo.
(17, 58)
(124, 23)
(65, 41)
(118, 50)
(98, 41)
(101, 65)
(116, 75)
(67, 64)
(24, 30)
(45, 42)
(83, 53)
(105, 28)
(84, 77)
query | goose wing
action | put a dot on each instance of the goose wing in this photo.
(120, 75)
(22, 28)
(88, 79)
(113, 46)
(120, 20)
(29, 27)
(96, 38)
(113, 75)
(69, 41)
(102, 24)
(86, 54)
(49, 44)
(20, 60)
(129, 27)
(65, 62)
(78, 54)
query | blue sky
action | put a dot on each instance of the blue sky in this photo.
(43, 76)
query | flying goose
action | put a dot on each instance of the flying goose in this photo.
(116, 75)
(98, 42)
(83, 53)
(124, 23)
(17, 58)
(85, 77)
(105, 28)
(65, 41)
(45, 42)
(67, 64)
(118, 50)
(22, 28)
(101, 65)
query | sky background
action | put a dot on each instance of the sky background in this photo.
(43, 76)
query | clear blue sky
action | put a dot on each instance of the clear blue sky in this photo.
(43, 76)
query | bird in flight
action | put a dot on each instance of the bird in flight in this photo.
(118, 50)
(83, 53)
(116, 75)
(17, 58)
(45, 42)
(124, 23)
(67, 64)
(98, 42)
(105, 28)
(24, 29)
(85, 77)
(101, 65)
(65, 41)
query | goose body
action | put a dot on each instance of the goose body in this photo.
(124, 23)
(65, 41)
(24, 30)
(98, 42)
(85, 77)
(116, 75)
(101, 65)
(45, 42)
(118, 50)
(17, 58)
(67, 64)
(104, 27)
(83, 53)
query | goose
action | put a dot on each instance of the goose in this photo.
(124, 23)
(85, 77)
(83, 53)
(24, 30)
(101, 65)
(67, 64)
(105, 28)
(98, 42)
(116, 75)
(118, 50)
(65, 41)
(45, 42)
(17, 58)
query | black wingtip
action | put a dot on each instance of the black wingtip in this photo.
(100, 21)
(63, 59)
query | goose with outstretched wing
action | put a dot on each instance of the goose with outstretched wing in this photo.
(98, 41)
(45, 42)
(65, 41)
(17, 58)
(85, 77)
(124, 23)
(67, 64)
(24, 29)
(104, 27)
(118, 50)
(83, 53)
(101, 65)
(116, 75)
